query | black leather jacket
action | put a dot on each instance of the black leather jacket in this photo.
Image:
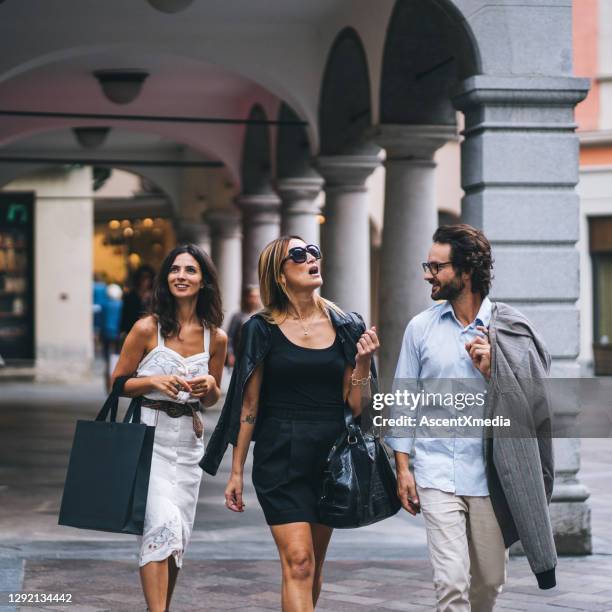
(254, 345)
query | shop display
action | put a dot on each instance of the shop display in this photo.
(16, 276)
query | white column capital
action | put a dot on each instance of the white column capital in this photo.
(260, 225)
(224, 222)
(300, 192)
(349, 171)
(412, 142)
(260, 207)
(301, 205)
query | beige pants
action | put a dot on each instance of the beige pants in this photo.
(466, 548)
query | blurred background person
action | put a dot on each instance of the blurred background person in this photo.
(99, 297)
(111, 330)
(137, 300)
(250, 303)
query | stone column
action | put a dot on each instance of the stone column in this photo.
(346, 235)
(226, 253)
(519, 169)
(410, 219)
(260, 225)
(300, 209)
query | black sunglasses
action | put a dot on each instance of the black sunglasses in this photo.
(300, 254)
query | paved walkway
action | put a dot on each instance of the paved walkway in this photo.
(231, 562)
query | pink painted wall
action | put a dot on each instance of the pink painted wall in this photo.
(586, 33)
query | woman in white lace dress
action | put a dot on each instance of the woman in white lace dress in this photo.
(176, 356)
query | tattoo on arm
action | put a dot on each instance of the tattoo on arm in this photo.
(250, 419)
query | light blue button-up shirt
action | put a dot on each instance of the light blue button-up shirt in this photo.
(434, 348)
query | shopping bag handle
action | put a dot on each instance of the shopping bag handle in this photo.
(112, 401)
(133, 412)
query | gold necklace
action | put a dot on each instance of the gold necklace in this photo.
(302, 324)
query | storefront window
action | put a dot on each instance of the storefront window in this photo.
(602, 270)
(601, 256)
(16, 277)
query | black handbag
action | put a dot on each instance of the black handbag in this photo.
(359, 487)
(108, 474)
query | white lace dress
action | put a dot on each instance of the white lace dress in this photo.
(174, 484)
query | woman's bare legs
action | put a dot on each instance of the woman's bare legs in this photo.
(158, 580)
(296, 551)
(320, 540)
(173, 572)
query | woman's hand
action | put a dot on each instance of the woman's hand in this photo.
(202, 385)
(233, 494)
(170, 385)
(367, 345)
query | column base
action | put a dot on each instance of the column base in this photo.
(571, 523)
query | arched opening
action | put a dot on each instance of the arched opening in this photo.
(345, 108)
(293, 146)
(428, 49)
(133, 226)
(256, 159)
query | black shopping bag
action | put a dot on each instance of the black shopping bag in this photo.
(108, 474)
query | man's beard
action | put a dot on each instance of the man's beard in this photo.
(450, 290)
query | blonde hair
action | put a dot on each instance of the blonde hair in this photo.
(275, 296)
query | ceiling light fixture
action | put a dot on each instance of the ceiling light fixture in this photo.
(170, 6)
(121, 86)
(91, 137)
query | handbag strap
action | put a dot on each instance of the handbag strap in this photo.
(112, 401)
(349, 421)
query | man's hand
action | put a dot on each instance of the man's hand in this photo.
(407, 493)
(479, 350)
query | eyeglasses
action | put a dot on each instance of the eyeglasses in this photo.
(300, 254)
(433, 267)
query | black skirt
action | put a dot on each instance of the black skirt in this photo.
(289, 459)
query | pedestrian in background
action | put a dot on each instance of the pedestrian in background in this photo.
(99, 297)
(111, 329)
(176, 356)
(250, 303)
(137, 301)
(301, 362)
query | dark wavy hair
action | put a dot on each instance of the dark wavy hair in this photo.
(208, 308)
(470, 252)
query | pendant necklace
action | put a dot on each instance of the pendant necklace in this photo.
(302, 324)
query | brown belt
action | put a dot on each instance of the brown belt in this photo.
(176, 410)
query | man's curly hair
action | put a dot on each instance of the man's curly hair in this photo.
(470, 252)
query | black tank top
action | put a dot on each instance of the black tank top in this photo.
(300, 381)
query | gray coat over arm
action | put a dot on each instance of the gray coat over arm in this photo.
(520, 468)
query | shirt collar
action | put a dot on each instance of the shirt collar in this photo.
(484, 313)
(483, 317)
(446, 309)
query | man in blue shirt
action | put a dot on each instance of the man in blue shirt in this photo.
(449, 342)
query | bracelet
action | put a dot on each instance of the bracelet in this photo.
(355, 382)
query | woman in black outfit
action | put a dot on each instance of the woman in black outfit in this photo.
(301, 361)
